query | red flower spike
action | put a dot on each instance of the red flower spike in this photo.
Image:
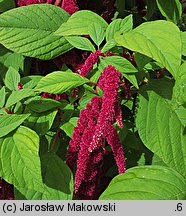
(76, 139)
(109, 83)
(70, 6)
(89, 63)
(94, 125)
(118, 114)
(29, 2)
(114, 142)
(82, 137)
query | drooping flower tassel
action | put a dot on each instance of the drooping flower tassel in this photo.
(89, 63)
(89, 142)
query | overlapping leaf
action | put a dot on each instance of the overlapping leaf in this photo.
(79, 22)
(21, 167)
(9, 123)
(172, 11)
(17, 96)
(159, 40)
(146, 183)
(59, 82)
(159, 126)
(29, 30)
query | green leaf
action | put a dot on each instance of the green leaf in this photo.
(30, 81)
(153, 66)
(109, 45)
(20, 159)
(146, 183)
(41, 122)
(48, 194)
(183, 37)
(171, 11)
(80, 43)
(120, 63)
(119, 25)
(146, 39)
(57, 179)
(157, 161)
(22, 168)
(9, 123)
(123, 65)
(141, 60)
(8, 58)
(6, 5)
(67, 113)
(59, 82)
(17, 96)
(84, 100)
(57, 175)
(159, 126)
(1, 169)
(68, 127)
(180, 86)
(21, 32)
(2, 96)
(79, 22)
(12, 78)
(39, 104)
(181, 113)
(151, 8)
(96, 33)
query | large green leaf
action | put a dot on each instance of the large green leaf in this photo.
(68, 127)
(80, 43)
(120, 63)
(171, 11)
(21, 167)
(96, 33)
(38, 104)
(7, 59)
(181, 113)
(159, 126)
(183, 37)
(58, 178)
(151, 8)
(146, 39)
(20, 160)
(6, 5)
(1, 170)
(146, 183)
(49, 194)
(59, 82)
(41, 122)
(12, 78)
(57, 175)
(180, 86)
(119, 25)
(30, 81)
(2, 96)
(17, 96)
(9, 123)
(29, 30)
(79, 22)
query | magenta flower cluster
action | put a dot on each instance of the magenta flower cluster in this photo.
(94, 129)
(89, 63)
(62, 96)
(68, 5)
